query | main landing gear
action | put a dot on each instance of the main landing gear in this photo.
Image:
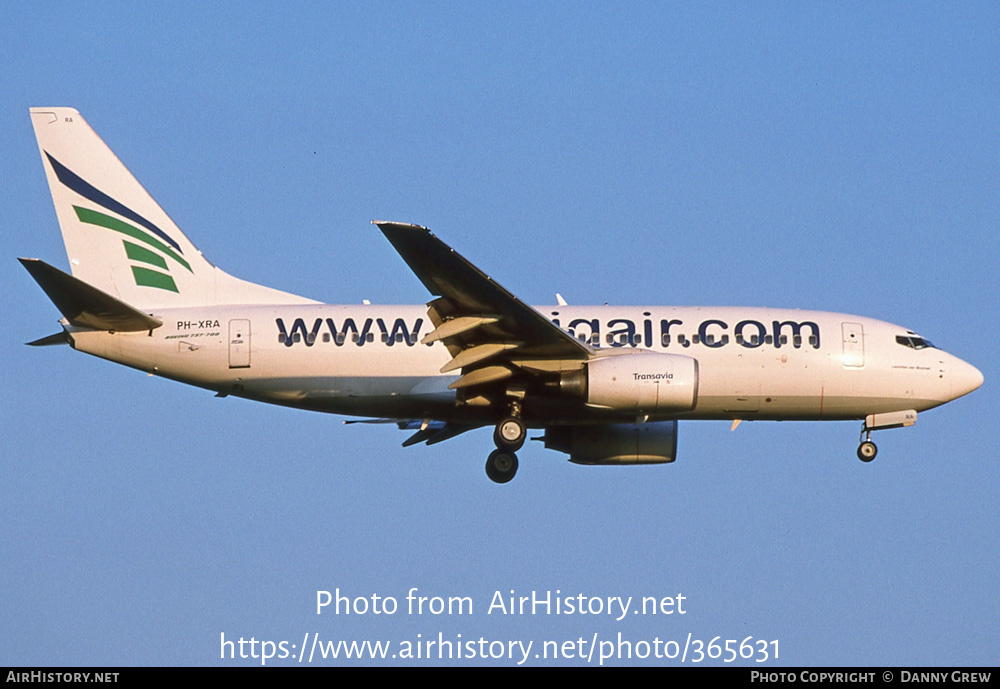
(501, 466)
(510, 434)
(509, 437)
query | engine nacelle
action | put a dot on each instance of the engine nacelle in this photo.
(619, 443)
(640, 382)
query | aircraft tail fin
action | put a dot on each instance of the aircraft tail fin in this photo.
(117, 237)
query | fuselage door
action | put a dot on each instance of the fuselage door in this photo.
(239, 343)
(854, 345)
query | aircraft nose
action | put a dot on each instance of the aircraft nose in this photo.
(963, 378)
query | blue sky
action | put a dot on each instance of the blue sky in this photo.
(827, 156)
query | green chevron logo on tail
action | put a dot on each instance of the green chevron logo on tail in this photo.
(144, 276)
(149, 259)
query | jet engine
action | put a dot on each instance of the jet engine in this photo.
(619, 443)
(639, 382)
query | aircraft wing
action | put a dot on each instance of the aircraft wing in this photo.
(491, 334)
(428, 431)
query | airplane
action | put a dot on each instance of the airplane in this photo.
(607, 384)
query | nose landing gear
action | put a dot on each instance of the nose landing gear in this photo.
(874, 422)
(867, 451)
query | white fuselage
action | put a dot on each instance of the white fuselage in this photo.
(753, 363)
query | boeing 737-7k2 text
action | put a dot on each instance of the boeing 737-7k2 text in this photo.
(607, 384)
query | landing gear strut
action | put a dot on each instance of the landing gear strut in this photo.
(508, 436)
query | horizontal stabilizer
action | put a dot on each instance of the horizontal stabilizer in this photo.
(85, 306)
(59, 338)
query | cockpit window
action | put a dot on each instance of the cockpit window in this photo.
(914, 341)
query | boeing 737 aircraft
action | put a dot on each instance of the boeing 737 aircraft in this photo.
(607, 384)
